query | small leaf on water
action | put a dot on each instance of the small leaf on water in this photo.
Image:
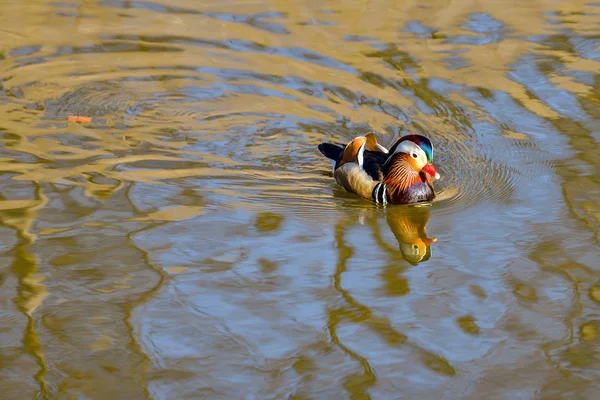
(77, 118)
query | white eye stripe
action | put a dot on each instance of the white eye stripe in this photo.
(408, 147)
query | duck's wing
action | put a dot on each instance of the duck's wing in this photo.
(373, 145)
(363, 150)
(373, 162)
(340, 154)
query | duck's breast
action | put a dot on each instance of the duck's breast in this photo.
(417, 193)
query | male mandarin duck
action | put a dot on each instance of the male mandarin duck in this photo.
(400, 175)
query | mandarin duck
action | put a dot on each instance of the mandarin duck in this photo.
(400, 175)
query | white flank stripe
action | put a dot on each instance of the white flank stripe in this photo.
(361, 155)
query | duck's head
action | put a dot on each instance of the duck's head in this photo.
(420, 153)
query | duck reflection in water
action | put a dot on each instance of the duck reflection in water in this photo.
(409, 224)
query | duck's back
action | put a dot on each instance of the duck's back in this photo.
(373, 164)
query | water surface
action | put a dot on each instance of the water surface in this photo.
(189, 242)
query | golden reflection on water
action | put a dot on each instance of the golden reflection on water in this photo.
(189, 241)
(31, 292)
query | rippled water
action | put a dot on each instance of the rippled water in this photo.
(189, 242)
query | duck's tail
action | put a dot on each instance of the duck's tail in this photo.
(332, 151)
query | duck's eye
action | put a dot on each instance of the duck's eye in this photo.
(414, 155)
